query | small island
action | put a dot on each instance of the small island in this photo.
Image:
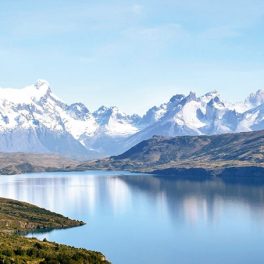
(19, 217)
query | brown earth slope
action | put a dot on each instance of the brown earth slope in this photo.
(17, 163)
(217, 154)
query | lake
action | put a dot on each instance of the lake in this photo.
(134, 218)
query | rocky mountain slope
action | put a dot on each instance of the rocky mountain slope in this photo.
(34, 120)
(201, 153)
(226, 154)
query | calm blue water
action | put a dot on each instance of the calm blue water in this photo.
(145, 219)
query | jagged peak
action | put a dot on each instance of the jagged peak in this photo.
(256, 98)
(211, 98)
(25, 95)
(177, 98)
(191, 96)
(114, 109)
(78, 111)
(212, 94)
(102, 110)
(103, 114)
(79, 107)
(43, 87)
(216, 102)
(40, 83)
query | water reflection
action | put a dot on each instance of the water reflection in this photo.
(193, 200)
(202, 200)
(168, 217)
(57, 192)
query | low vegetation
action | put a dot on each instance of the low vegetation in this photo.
(16, 217)
(16, 249)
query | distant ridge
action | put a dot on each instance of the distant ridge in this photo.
(227, 154)
(237, 154)
(17, 163)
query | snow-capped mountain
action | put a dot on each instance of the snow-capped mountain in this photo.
(113, 127)
(113, 122)
(205, 115)
(33, 119)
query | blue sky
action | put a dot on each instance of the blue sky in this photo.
(133, 54)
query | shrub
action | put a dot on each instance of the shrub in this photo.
(19, 252)
(38, 245)
(7, 252)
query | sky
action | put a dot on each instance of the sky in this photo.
(133, 54)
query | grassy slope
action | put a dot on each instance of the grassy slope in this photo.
(18, 216)
(15, 249)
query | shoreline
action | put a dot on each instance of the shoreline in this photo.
(19, 218)
(203, 171)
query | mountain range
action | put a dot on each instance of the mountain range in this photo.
(34, 120)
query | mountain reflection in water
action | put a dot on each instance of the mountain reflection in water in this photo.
(170, 218)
